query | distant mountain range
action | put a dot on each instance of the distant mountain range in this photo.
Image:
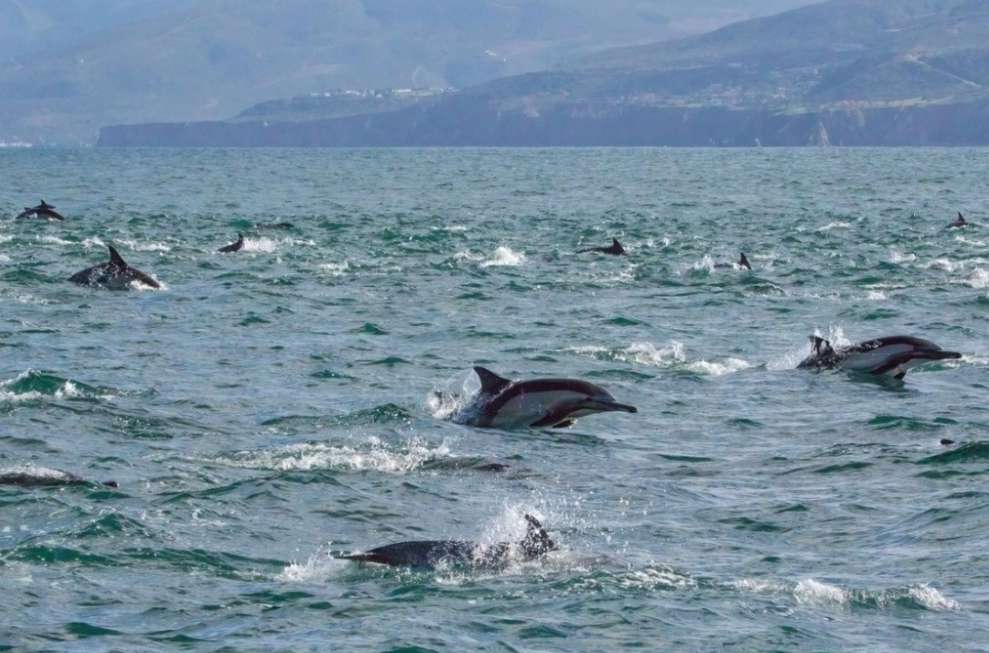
(68, 67)
(869, 72)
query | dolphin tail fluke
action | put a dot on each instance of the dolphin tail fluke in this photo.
(116, 258)
(491, 383)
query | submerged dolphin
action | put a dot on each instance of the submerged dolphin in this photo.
(960, 221)
(615, 249)
(114, 274)
(539, 403)
(891, 356)
(234, 246)
(43, 210)
(47, 478)
(429, 554)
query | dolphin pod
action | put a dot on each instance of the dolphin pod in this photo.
(430, 554)
(890, 356)
(115, 274)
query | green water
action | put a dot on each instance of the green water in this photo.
(267, 408)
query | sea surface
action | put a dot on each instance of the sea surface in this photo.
(267, 409)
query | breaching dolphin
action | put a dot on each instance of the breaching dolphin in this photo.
(234, 246)
(47, 478)
(891, 356)
(429, 554)
(960, 221)
(43, 210)
(615, 249)
(538, 403)
(115, 274)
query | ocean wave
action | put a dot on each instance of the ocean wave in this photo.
(504, 256)
(34, 385)
(896, 256)
(812, 592)
(831, 226)
(335, 269)
(373, 455)
(672, 355)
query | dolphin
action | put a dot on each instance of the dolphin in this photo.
(114, 274)
(891, 356)
(743, 263)
(615, 249)
(43, 210)
(234, 246)
(429, 554)
(48, 478)
(538, 403)
(959, 222)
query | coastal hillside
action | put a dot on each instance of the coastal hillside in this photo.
(852, 72)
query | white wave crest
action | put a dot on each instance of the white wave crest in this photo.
(947, 265)
(815, 592)
(504, 256)
(876, 296)
(335, 269)
(374, 456)
(715, 368)
(978, 279)
(145, 247)
(838, 224)
(932, 599)
(318, 568)
(262, 244)
(896, 256)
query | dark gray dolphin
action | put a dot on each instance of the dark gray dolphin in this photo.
(743, 263)
(615, 249)
(538, 403)
(234, 246)
(891, 356)
(47, 478)
(43, 210)
(959, 222)
(115, 274)
(429, 554)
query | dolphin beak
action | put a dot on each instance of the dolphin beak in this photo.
(942, 355)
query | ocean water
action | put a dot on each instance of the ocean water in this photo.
(266, 409)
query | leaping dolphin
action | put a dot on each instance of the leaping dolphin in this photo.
(539, 403)
(234, 246)
(43, 210)
(959, 222)
(615, 249)
(429, 554)
(891, 356)
(113, 275)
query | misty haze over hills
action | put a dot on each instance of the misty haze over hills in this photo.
(844, 72)
(68, 67)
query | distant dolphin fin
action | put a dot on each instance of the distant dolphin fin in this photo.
(615, 243)
(116, 258)
(744, 262)
(491, 383)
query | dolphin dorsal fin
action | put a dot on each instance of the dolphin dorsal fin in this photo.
(818, 344)
(491, 383)
(116, 258)
(744, 262)
(533, 523)
(615, 243)
(961, 218)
